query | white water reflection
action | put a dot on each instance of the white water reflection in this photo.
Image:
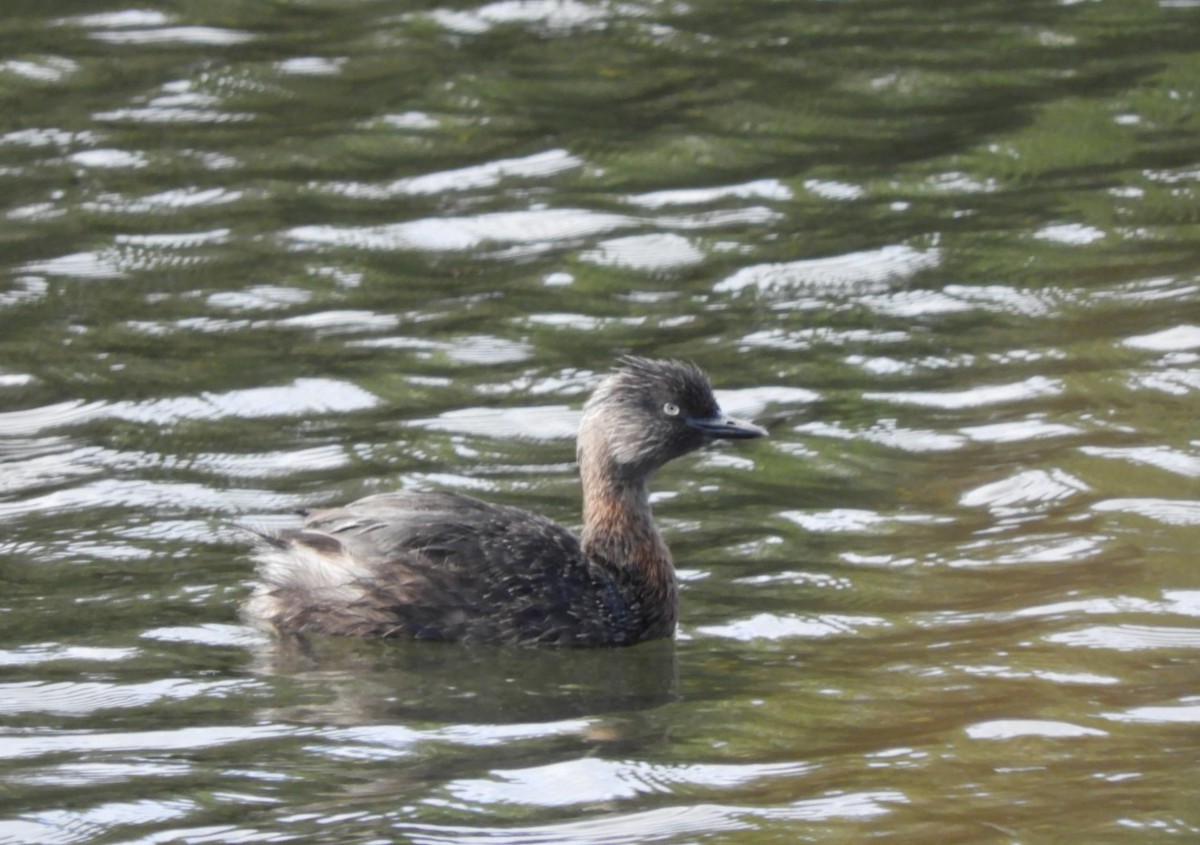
(552, 15)
(1160, 457)
(831, 189)
(867, 247)
(1019, 431)
(41, 69)
(1027, 550)
(444, 234)
(1029, 490)
(537, 422)
(852, 520)
(1130, 637)
(851, 273)
(211, 634)
(590, 779)
(35, 654)
(82, 698)
(175, 199)
(1174, 382)
(259, 298)
(132, 253)
(763, 189)
(303, 396)
(752, 401)
(1072, 234)
(1175, 339)
(1187, 712)
(72, 742)
(1014, 674)
(210, 36)
(687, 822)
(1034, 387)
(44, 827)
(311, 66)
(1167, 511)
(808, 338)
(772, 626)
(471, 349)
(145, 497)
(1017, 728)
(479, 176)
(888, 432)
(658, 252)
(109, 158)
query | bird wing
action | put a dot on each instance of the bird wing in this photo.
(442, 566)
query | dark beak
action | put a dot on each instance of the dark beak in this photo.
(726, 428)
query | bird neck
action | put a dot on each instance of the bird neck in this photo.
(619, 534)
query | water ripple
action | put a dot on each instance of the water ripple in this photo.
(41, 69)
(209, 36)
(1016, 728)
(1175, 382)
(259, 298)
(1019, 493)
(446, 234)
(763, 189)
(36, 654)
(550, 15)
(109, 159)
(1174, 339)
(771, 626)
(133, 253)
(487, 175)
(1129, 637)
(40, 470)
(1181, 602)
(1187, 712)
(302, 397)
(90, 825)
(58, 415)
(1029, 549)
(210, 634)
(681, 823)
(1168, 511)
(16, 746)
(148, 497)
(1072, 234)
(1160, 457)
(535, 422)
(1019, 431)
(657, 252)
(887, 432)
(24, 290)
(851, 273)
(262, 465)
(591, 779)
(665, 824)
(1034, 387)
(82, 698)
(176, 199)
(386, 742)
(96, 774)
(479, 350)
(854, 520)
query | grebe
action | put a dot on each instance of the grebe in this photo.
(444, 566)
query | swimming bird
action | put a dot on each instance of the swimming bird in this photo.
(446, 566)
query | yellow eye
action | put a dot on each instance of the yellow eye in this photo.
(671, 409)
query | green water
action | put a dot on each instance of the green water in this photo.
(262, 256)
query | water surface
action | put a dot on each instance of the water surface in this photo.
(257, 257)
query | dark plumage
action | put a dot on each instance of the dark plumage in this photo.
(445, 566)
